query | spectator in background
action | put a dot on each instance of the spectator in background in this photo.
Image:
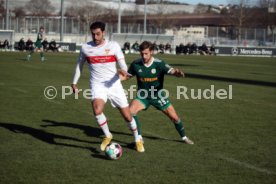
(179, 49)
(1, 45)
(45, 44)
(187, 48)
(53, 46)
(126, 47)
(204, 49)
(168, 48)
(161, 48)
(29, 45)
(6, 44)
(213, 50)
(21, 44)
(155, 48)
(194, 49)
(135, 47)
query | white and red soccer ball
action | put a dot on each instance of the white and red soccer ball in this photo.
(113, 151)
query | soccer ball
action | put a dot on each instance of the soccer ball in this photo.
(113, 151)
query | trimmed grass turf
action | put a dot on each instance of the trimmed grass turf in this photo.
(57, 141)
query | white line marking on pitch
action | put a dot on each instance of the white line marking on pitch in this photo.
(155, 135)
(20, 90)
(245, 165)
(55, 102)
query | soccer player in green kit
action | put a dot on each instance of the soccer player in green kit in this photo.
(38, 45)
(150, 72)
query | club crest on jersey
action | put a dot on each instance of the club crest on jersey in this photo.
(140, 70)
(107, 51)
(153, 71)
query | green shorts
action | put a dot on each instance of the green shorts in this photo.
(38, 45)
(159, 103)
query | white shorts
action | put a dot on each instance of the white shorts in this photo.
(115, 94)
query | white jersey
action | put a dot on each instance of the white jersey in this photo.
(101, 60)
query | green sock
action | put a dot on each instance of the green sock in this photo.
(31, 52)
(138, 125)
(180, 128)
(41, 55)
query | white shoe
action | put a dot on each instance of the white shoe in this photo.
(186, 140)
(29, 57)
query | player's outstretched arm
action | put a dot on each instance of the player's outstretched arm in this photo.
(177, 72)
(124, 75)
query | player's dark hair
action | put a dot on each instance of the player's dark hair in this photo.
(98, 24)
(146, 45)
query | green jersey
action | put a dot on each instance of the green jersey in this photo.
(39, 38)
(149, 77)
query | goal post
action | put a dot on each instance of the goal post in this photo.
(7, 35)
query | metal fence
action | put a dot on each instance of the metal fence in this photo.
(75, 27)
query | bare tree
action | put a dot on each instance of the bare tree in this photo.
(40, 7)
(161, 21)
(266, 3)
(268, 15)
(72, 11)
(2, 9)
(19, 11)
(87, 13)
(239, 16)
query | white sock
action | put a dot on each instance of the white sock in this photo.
(102, 122)
(133, 128)
(184, 138)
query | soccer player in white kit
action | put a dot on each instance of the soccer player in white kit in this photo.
(102, 56)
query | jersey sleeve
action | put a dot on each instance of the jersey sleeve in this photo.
(131, 69)
(166, 68)
(120, 57)
(79, 66)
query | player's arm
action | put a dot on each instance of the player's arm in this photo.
(124, 75)
(176, 72)
(78, 71)
(171, 71)
(122, 72)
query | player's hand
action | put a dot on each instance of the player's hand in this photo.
(124, 75)
(179, 73)
(75, 88)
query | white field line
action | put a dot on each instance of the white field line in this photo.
(20, 90)
(55, 102)
(249, 166)
(155, 135)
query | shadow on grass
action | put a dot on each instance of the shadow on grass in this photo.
(92, 132)
(188, 65)
(89, 130)
(46, 136)
(234, 80)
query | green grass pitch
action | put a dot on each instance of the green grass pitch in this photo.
(57, 141)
